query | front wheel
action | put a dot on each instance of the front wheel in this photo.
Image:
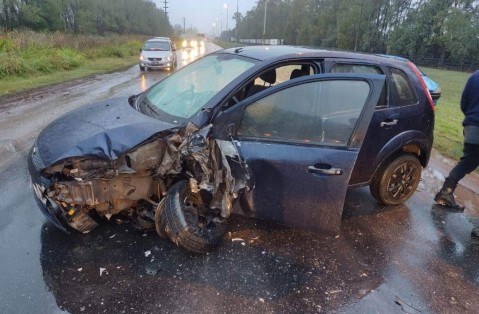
(396, 182)
(188, 222)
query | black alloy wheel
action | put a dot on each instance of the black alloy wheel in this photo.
(397, 181)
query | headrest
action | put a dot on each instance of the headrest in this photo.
(269, 77)
(297, 73)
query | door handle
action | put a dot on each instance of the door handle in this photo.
(330, 171)
(389, 123)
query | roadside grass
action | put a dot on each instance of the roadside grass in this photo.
(29, 59)
(227, 44)
(448, 137)
(15, 84)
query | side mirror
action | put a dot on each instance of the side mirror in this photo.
(226, 123)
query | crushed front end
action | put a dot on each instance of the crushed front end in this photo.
(80, 191)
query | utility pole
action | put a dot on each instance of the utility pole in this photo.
(184, 25)
(264, 22)
(237, 17)
(166, 15)
(227, 34)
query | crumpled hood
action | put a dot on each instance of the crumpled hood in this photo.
(106, 130)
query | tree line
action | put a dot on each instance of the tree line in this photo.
(85, 16)
(442, 29)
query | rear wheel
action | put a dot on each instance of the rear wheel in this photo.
(142, 68)
(396, 182)
(188, 222)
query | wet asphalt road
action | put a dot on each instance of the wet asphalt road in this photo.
(413, 258)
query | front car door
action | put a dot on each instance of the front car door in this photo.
(301, 140)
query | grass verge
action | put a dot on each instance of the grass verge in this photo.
(31, 59)
(15, 84)
(448, 137)
(227, 44)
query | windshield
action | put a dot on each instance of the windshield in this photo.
(180, 96)
(156, 45)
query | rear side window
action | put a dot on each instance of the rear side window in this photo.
(287, 72)
(362, 68)
(355, 68)
(402, 91)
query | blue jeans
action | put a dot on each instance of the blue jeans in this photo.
(468, 163)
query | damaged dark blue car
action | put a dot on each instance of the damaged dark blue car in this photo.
(278, 133)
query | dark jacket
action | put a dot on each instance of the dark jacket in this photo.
(470, 100)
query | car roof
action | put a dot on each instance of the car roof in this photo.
(159, 39)
(264, 53)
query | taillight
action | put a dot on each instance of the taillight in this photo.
(424, 87)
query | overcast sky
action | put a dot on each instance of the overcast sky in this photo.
(201, 14)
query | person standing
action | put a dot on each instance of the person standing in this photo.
(470, 159)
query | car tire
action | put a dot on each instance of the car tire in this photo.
(160, 223)
(395, 182)
(142, 68)
(180, 221)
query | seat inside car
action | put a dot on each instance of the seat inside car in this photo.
(297, 73)
(268, 77)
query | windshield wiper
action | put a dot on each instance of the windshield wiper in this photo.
(149, 108)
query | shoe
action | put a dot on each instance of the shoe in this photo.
(475, 233)
(447, 199)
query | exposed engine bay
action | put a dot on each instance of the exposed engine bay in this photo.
(134, 184)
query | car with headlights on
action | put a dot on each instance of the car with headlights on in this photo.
(158, 53)
(277, 133)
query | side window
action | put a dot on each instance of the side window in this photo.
(355, 68)
(319, 112)
(284, 73)
(362, 68)
(401, 90)
(270, 78)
